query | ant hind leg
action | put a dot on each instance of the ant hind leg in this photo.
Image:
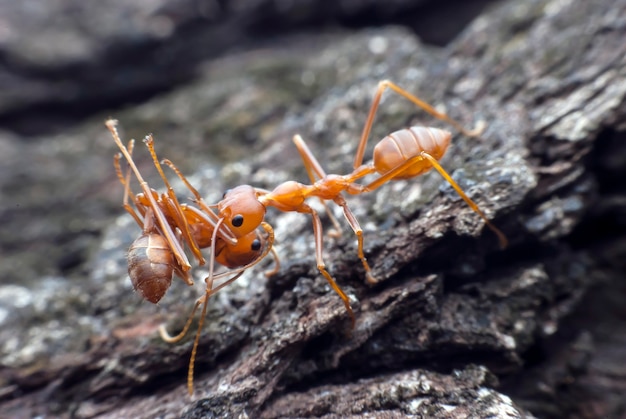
(382, 86)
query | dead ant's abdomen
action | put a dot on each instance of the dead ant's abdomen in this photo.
(151, 266)
(398, 147)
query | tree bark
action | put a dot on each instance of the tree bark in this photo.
(455, 326)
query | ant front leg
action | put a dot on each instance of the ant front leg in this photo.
(165, 336)
(384, 84)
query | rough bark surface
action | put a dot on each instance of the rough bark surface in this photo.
(455, 327)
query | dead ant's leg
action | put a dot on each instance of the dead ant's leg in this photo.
(165, 228)
(176, 211)
(423, 155)
(124, 180)
(384, 84)
(225, 233)
(127, 192)
(318, 233)
(354, 223)
(202, 217)
(313, 168)
(173, 339)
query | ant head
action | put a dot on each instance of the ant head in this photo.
(248, 249)
(241, 210)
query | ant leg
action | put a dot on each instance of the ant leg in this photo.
(501, 237)
(127, 192)
(173, 339)
(205, 298)
(354, 223)
(124, 180)
(382, 179)
(425, 156)
(317, 232)
(165, 228)
(208, 292)
(384, 84)
(313, 168)
(210, 217)
(175, 209)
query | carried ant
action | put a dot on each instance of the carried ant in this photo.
(168, 226)
(403, 154)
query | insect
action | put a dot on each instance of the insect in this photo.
(168, 227)
(404, 154)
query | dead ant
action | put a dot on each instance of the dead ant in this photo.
(404, 154)
(167, 226)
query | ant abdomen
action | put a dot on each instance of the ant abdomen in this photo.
(399, 146)
(151, 266)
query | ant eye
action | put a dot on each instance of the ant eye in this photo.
(256, 245)
(237, 220)
(226, 193)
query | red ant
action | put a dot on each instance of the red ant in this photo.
(404, 154)
(167, 226)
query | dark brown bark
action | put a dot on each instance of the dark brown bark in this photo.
(456, 326)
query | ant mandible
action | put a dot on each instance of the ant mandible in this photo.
(404, 154)
(167, 226)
